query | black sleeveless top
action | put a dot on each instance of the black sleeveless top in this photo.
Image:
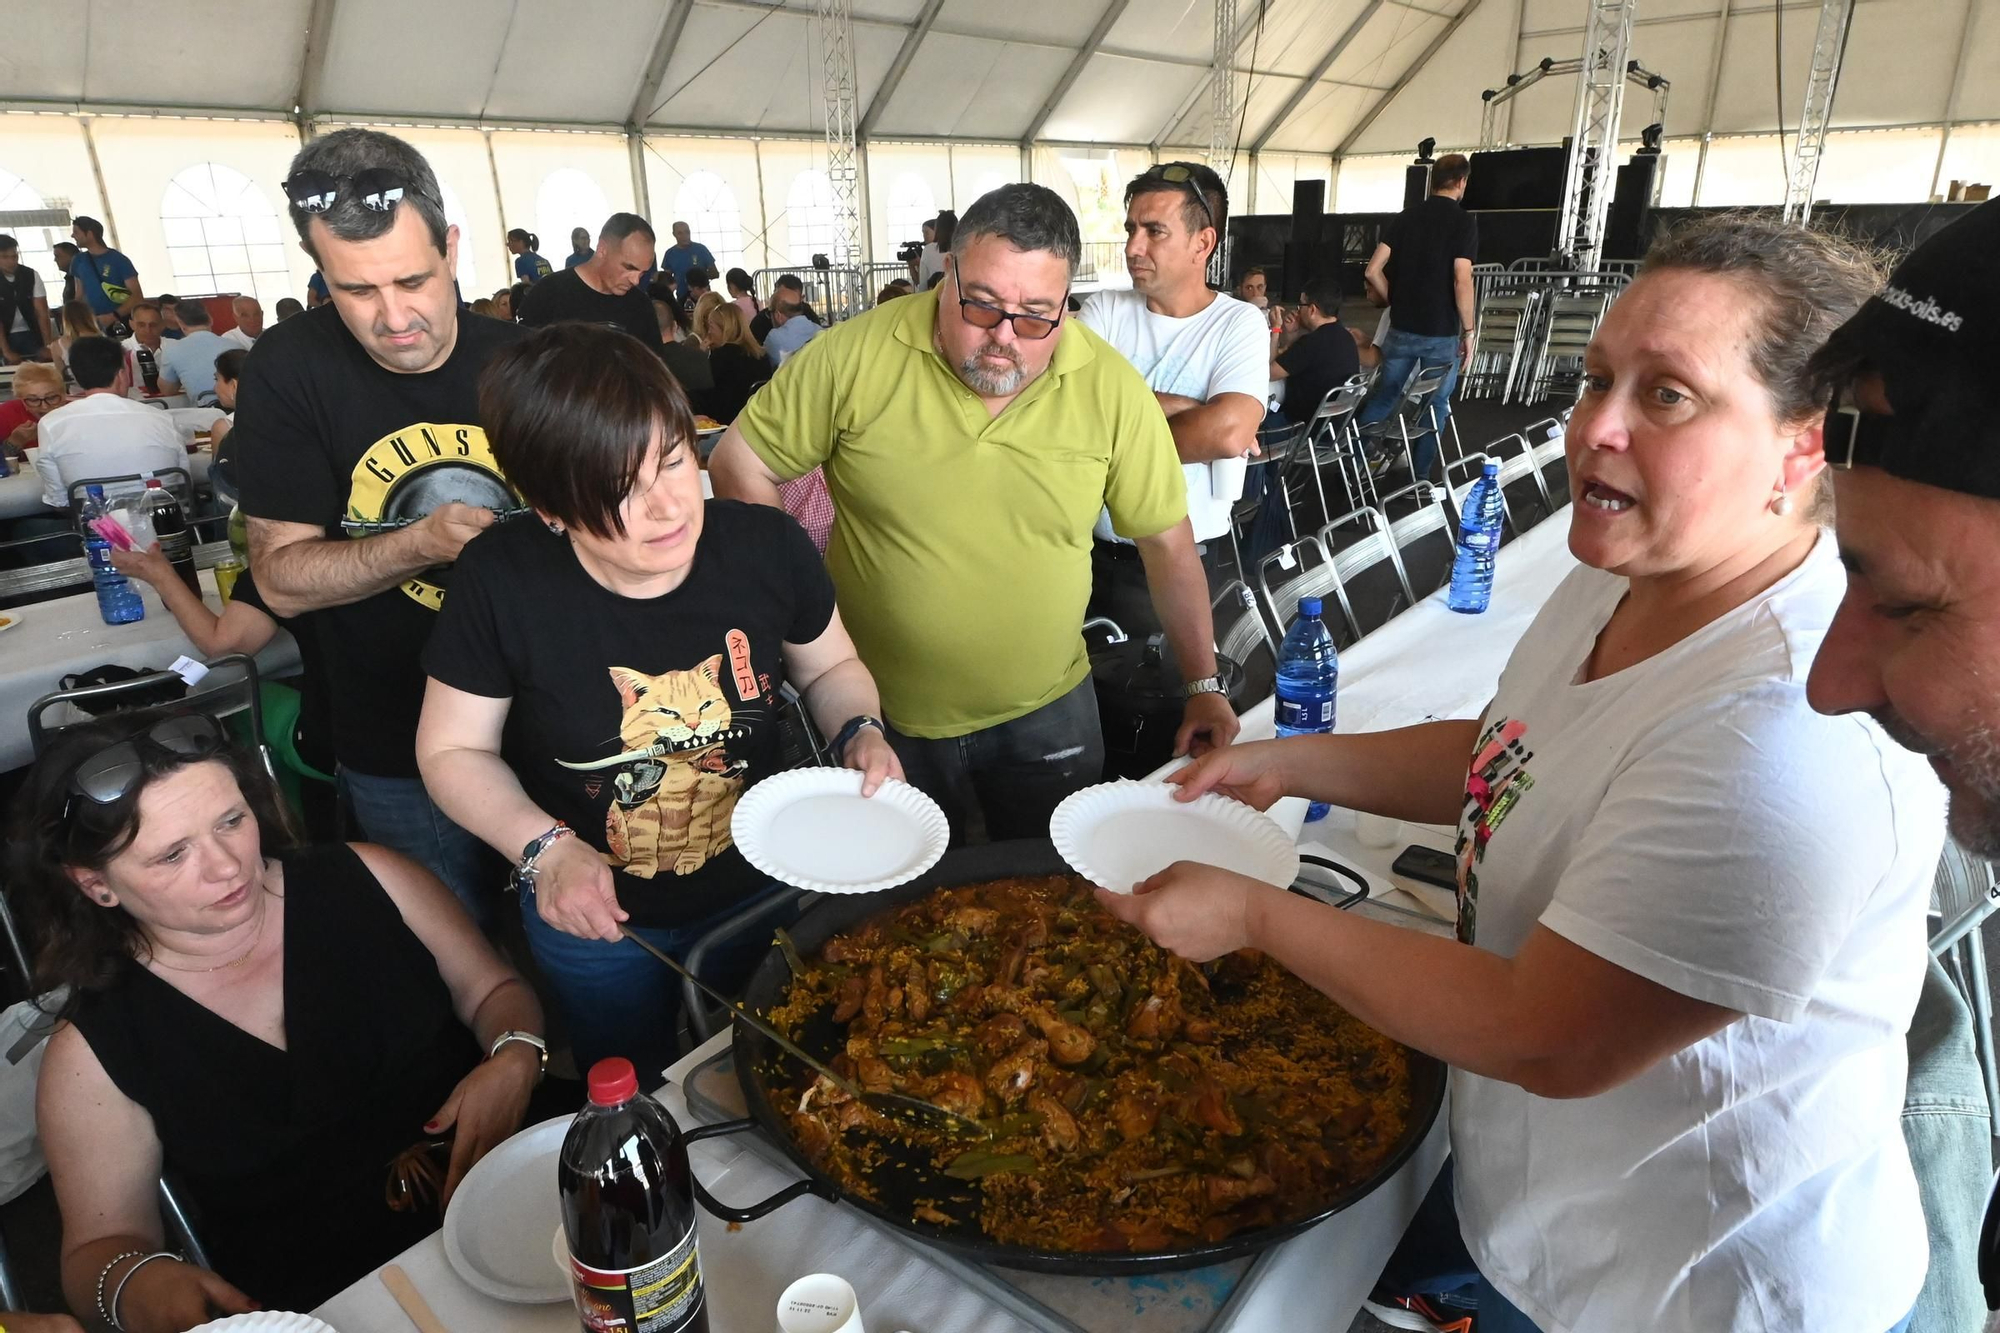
(283, 1156)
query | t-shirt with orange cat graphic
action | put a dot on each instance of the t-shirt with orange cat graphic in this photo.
(640, 722)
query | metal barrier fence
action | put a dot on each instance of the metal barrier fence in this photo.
(833, 293)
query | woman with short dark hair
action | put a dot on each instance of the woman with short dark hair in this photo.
(289, 1032)
(630, 643)
(1690, 908)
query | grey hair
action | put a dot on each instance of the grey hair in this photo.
(344, 153)
(1027, 217)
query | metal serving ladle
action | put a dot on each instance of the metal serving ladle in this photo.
(913, 1110)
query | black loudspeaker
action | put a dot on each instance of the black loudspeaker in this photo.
(1625, 226)
(1308, 219)
(1416, 183)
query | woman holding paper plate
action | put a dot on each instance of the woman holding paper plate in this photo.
(1691, 910)
(630, 647)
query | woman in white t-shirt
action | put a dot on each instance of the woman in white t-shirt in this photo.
(1691, 909)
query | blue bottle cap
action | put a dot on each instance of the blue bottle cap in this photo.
(1309, 606)
(94, 491)
(1491, 469)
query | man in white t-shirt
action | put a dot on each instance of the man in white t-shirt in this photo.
(1205, 355)
(249, 322)
(103, 433)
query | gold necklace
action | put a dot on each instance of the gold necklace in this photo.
(255, 938)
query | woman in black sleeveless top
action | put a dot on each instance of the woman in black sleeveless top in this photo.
(273, 1028)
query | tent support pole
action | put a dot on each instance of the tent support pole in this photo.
(97, 174)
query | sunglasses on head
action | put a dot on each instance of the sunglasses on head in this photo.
(1183, 174)
(111, 774)
(377, 189)
(983, 316)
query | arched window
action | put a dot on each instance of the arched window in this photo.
(36, 242)
(809, 218)
(911, 205)
(706, 203)
(568, 199)
(987, 183)
(223, 235)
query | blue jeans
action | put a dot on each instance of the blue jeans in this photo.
(617, 999)
(1402, 353)
(1947, 1132)
(399, 814)
(1431, 1260)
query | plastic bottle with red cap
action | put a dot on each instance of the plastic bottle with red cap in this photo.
(629, 1213)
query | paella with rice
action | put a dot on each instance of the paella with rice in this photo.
(1132, 1102)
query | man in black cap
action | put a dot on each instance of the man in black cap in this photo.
(1914, 438)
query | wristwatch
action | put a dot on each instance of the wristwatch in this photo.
(529, 1038)
(845, 736)
(523, 878)
(1206, 685)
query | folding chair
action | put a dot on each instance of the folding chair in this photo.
(1305, 570)
(1459, 477)
(1545, 442)
(1524, 500)
(177, 480)
(231, 686)
(1333, 438)
(1426, 537)
(1412, 418)
(1963, 895)
(1373, 590)
(1276, 449)
(1242, 636)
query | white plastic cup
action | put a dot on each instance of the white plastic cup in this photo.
(1376, 830)
(819, 1303)
(1226, 477)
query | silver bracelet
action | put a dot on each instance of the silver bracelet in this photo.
(119, 1290)
(105, 1272)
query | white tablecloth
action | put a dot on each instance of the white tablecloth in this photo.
(66, 635)
(21, 492)
(1428, 662)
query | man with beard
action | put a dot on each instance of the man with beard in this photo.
(969, 438)
(1914, 437)
(364, 470)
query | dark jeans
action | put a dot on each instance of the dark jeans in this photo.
(1401, 354)
(1118, 587)
(27, 342)
(1431, 1260)
(1011, 777)
(399, 814)
(617, 999)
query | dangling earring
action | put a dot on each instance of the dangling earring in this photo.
(1781, 504)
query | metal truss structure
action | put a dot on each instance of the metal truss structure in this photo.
(1600, 96)
(1635, 74)
(835, 21)
(1829, 47)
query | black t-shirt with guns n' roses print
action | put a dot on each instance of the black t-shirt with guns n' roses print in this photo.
(326, 436)
(640, 722)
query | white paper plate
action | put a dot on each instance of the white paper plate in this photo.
(266, 1321)
(496, 1232)
(812, 828)
(1119, 833)
(9, 619)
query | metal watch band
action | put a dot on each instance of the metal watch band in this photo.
(526, 1039)
(1206, 685)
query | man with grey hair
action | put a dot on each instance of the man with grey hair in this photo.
(364, 470)
(969, 437)
(249, 322)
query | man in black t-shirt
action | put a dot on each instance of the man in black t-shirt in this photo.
(606, 289)
(364, 470)
(1422, 270)
(1320, 356)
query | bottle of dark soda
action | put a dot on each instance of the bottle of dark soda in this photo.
(170, 526)
(629, 1212)
(149, 369)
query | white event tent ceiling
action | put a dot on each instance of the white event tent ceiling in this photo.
(1321, 77)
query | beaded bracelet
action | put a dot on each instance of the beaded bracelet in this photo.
(119, 1290)
(105, 1272)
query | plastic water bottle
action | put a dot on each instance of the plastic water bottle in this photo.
(1308, 678)
(170, 528)
(117, 600)
(1478, 543)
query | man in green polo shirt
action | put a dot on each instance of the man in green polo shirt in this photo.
(970, 435)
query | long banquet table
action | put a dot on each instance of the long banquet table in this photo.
(56, 638)
(1428, 662)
